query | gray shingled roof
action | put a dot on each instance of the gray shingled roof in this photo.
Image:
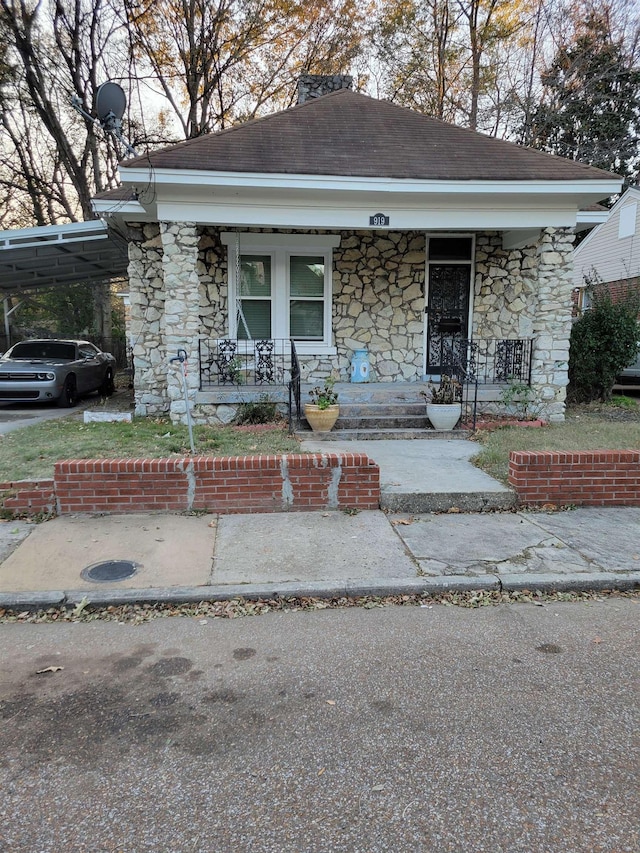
(346, 133)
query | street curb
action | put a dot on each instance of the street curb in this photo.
(578, 582)
(32, 600)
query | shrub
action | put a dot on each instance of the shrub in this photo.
(262, 411)
(603, 342)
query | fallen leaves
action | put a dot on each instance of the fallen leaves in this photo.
(236, 608)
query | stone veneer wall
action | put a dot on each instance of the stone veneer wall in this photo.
(527, 293)
(147, 299)
(182, 309)
(552, 322)
(378, 303)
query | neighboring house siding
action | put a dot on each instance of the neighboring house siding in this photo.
(613, 257)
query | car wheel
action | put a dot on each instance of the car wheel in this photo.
(69, 396)
(108, 386)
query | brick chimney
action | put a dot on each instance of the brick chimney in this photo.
(315, 85)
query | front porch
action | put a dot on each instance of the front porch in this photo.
(421, 305)
(237, 371)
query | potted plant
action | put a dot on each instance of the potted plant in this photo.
(323, 410)
(444, 403)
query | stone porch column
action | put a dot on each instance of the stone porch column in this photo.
(146, 324)
(552, 321)
(182, 311)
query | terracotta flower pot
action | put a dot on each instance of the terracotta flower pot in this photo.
(321, 420)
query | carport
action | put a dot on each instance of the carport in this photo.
(46, 257)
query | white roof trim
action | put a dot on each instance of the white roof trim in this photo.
(592, 217)
(193, 177)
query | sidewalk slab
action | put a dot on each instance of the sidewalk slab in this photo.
(171, 550)
(308, 546)
(12, 533)
(609, 537)
(463, 541)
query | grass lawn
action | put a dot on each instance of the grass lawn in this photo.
(31, 452)
(600, 426)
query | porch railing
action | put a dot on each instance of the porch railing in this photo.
(230, 361)
(294, 390)
(236, 363)
(488, 361)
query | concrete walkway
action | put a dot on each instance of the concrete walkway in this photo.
(430, 475)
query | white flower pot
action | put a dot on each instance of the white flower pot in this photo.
(444, 416)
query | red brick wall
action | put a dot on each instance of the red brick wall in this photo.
(28, 497)
(587, 478)
(225, 484)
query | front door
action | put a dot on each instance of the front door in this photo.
(447, 314)
(447, 302)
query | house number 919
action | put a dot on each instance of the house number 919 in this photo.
(379, 219)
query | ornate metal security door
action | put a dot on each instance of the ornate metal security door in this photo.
(447, 313)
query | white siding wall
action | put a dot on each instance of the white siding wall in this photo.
(613, 257)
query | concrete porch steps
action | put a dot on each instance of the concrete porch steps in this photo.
(363, 433)
(371, 413)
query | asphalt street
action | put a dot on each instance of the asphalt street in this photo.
(512, 728)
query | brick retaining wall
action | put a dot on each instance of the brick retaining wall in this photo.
(28, 497)
(226, 484)
(585, 478)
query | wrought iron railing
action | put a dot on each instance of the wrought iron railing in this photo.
(484, 362)
(228, 361)
(294, 389)
(489, 361)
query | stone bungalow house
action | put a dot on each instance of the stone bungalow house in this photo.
(341, 223)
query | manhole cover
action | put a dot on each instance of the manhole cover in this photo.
(110, 570)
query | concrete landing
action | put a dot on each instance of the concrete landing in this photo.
(426, 476)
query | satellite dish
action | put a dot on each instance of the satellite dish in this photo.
(111, 102)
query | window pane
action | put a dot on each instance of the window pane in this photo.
(450, 248)
(307, 276)
(257, 314)
(255, 275)
(306, 320)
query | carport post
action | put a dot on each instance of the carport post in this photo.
(7, 313)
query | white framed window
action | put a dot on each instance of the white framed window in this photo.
(280, 286)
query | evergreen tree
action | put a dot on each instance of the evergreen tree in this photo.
(590, 108)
